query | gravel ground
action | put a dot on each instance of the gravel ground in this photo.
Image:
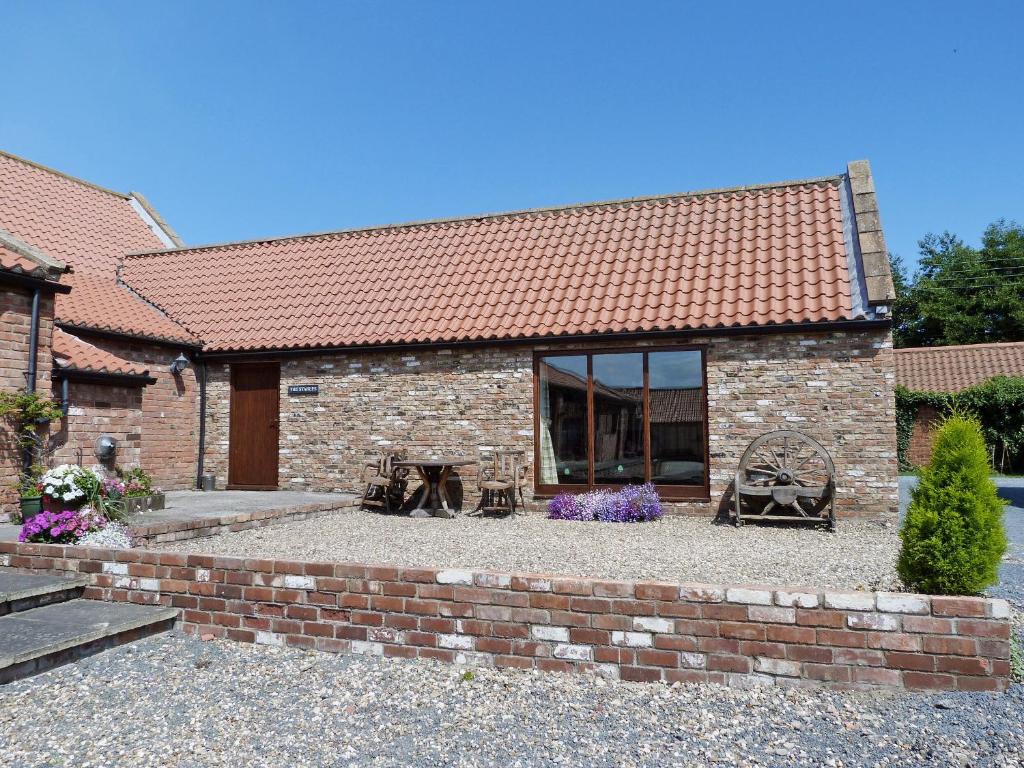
(859, 555)
(227, 704)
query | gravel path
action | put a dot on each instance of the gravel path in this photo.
(859, 555)
(176, 701)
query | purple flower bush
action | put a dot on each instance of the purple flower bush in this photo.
(65, 527)
(112, 488)
(631, 504)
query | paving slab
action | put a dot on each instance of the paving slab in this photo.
(52, 629)
(27, 589)
(198, 505)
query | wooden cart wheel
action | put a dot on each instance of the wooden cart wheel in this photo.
(785, 475)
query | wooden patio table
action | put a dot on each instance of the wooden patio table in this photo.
(434, 473)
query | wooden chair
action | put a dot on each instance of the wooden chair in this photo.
(496, 481)
(384, 483)
(521, 476)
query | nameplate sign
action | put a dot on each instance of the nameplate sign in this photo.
(304, 389)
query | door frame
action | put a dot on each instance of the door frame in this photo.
(239, 368)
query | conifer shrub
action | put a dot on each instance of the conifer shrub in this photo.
(953, 535)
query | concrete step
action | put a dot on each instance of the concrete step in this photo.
(24, 591)
(39, 639)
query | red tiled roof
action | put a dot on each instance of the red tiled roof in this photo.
(98, 303)
(951, 369)
(22, 265)
(749, 256)
(89, 228)
(71, 353)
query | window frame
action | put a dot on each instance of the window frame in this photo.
(688, 492)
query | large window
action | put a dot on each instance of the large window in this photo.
(613, 418)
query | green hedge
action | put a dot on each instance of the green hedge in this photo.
(998, 404)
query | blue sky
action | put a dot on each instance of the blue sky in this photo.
(240, 120)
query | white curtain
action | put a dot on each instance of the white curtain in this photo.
(548, 470)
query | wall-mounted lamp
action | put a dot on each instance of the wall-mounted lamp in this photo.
(179, 364)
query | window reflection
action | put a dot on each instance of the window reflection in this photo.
(619, 418)
(563, 420)
(676, 395)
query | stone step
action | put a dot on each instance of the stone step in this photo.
(24, 591)
(39, 639)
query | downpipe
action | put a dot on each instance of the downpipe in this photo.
(202, 420)
(33, 367)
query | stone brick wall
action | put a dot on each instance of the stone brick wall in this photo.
(98, 409)
(838, 387)
(15, 325)
(167, 427)
(919, 450)
(644, 631)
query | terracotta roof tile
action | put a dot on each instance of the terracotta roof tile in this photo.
(72, 353)
(11, 261)
(89, 228)
(750, 256)
(98, 302)
(951, 369)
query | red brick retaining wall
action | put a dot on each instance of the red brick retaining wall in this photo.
(645, 631)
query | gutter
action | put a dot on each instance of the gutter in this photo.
(124, 379)
(105, 333)
(33, 282)
(836, 326)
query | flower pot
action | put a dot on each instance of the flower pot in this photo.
(30, 507)
(51, 504)
(140, 505)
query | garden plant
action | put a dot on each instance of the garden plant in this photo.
(953, 536)
(631, 504)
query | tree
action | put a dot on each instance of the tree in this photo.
(962, 295)
(906, 315)
(953, 535)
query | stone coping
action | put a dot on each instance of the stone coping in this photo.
(642, 631)
(192, 528)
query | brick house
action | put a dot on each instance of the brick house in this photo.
(950, 369)
(614, 342)
(103, 351)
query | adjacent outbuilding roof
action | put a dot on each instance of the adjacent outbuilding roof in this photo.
(952, 369)
(88, 228)
(72, 354)
(18, 258)
(97, 303)
(15, 263)
(769, 255)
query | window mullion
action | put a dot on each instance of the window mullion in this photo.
(590, 421)
(647, 422)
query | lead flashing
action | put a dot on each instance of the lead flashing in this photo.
(155, 221)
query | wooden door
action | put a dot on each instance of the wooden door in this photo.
(255, 406)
